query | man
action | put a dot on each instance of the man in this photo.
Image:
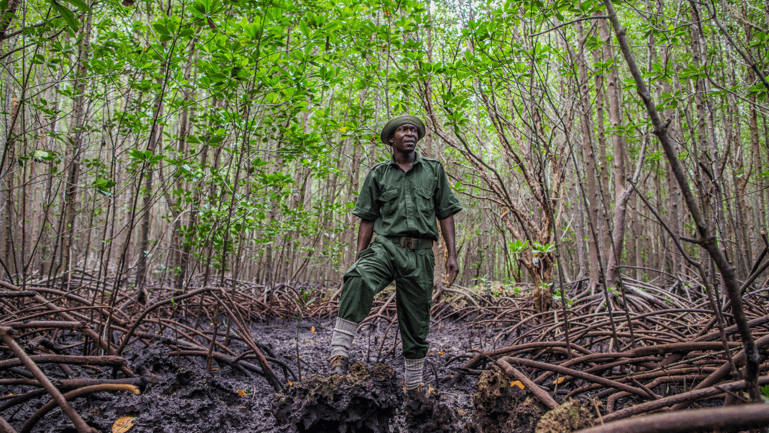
(399, 201)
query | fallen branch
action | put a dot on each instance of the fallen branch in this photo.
(732, 417)
(538, 392)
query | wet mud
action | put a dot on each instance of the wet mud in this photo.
(502, 408)
(179, 395)
(363, 401)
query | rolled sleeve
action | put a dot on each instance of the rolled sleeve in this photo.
(366, 207)
(446, 203)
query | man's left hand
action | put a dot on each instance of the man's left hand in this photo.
(452, 269)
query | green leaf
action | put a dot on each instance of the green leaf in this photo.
(160, 28)
(67, 15)
(80, 4)
(137, 154)
(41, 155)
(104, 185)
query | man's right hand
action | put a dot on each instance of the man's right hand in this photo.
(365, 233)
(452, 269)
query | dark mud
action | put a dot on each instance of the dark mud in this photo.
(429, 413)
(180, 396)
(364, 401)
(502, 408)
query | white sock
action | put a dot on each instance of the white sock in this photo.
(341, 340)
(414, 372)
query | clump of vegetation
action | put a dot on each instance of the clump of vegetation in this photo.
(567, 418)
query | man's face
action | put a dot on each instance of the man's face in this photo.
(404, 139)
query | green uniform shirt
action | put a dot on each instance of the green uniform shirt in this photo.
(406, 204)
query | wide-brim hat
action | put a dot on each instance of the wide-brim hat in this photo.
(395, 122)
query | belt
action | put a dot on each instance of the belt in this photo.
(411, 243)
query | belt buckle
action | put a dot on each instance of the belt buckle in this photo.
(406, 242)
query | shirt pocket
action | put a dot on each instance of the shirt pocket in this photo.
(425, 202)
(388, 202)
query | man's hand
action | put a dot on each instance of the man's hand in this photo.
(452, 269)
(365, 233)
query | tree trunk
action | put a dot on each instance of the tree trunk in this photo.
(593, 192)
(74, 152)
(620, 154)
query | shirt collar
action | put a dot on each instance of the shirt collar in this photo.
(417, 160)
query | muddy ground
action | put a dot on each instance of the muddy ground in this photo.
(183, 397)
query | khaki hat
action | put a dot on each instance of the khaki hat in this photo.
(395, 122)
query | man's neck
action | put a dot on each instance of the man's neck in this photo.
(405, 159)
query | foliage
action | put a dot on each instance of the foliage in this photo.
(244, 127)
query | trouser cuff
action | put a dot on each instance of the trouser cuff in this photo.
(341, 340)
(413, 376)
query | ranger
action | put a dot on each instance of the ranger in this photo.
(399, 201)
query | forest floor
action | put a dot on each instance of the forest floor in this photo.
(183, 397)
(181, 361)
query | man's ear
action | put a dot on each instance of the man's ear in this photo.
(391, 139)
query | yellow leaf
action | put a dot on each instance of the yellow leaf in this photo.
(290, 383)
(241, 392)
(430, 389)
(312, 329)
(559, 380)
(343, 129)
(123, 424)
(518, 384)
(441, 353)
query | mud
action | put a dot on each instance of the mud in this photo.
(363, 401)
(502, 408)
(180, 395)
(429, 412)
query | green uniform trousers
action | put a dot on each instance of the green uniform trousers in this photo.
(412, 269)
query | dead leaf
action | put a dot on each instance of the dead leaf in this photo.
(241, 393)
(312, 329)
(559, 380)
(123, 424)
(518, 384)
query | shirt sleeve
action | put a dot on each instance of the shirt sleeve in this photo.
(366, 207)
(446, 203)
